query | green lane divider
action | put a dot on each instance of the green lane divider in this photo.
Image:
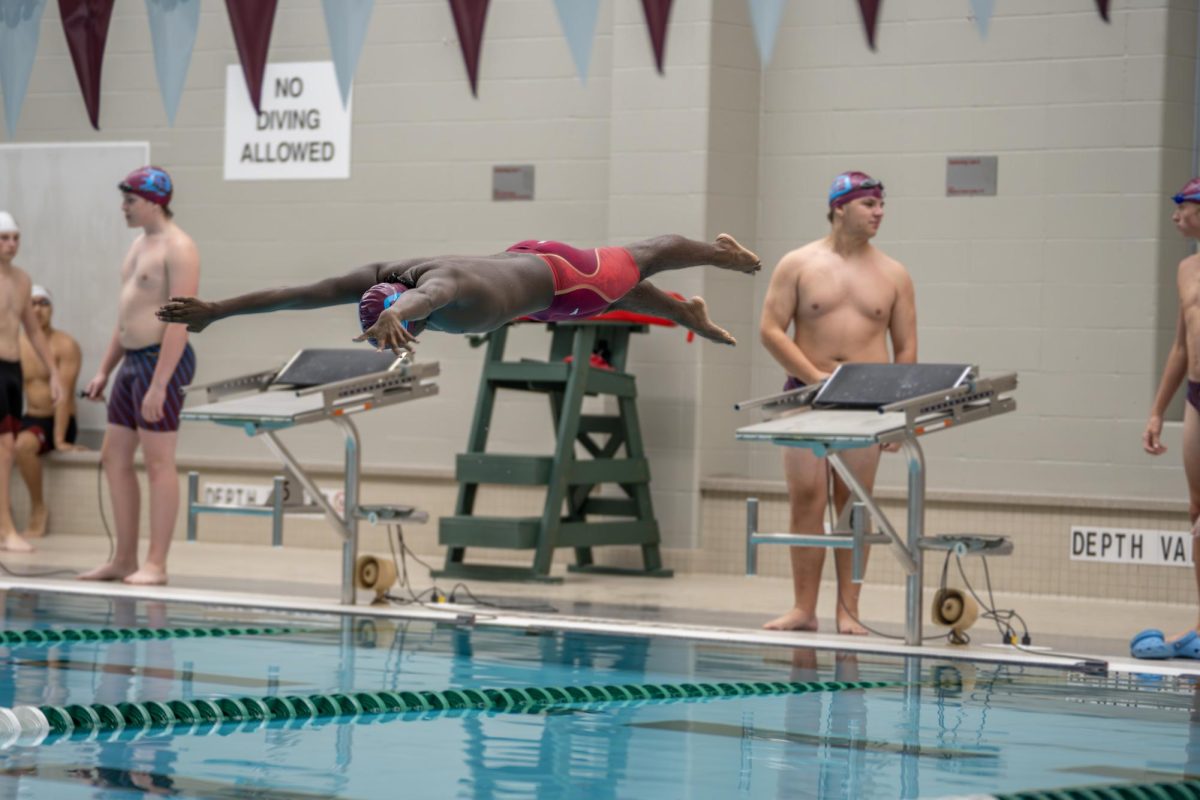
(33, 724)
(48, 636)
(1173, 790)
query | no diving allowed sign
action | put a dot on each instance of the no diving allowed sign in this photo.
(1126, 546)
(302, 132)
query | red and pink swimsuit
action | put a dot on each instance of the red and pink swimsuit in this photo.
(586, 282)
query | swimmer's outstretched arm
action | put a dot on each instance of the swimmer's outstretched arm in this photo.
(431, 293)
(197, 314)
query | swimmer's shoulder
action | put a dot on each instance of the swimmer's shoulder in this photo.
(803, 257)
(1190, 265)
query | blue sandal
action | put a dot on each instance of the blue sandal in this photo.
(1187, 646)
(1150, 643)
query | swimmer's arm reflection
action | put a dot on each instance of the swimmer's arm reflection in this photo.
(198, 314)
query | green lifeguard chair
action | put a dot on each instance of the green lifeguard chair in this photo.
(570, 514)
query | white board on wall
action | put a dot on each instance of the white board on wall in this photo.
(73, 237)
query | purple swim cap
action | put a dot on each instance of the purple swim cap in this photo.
(851, 186)
(1190, 193)
(375, 300)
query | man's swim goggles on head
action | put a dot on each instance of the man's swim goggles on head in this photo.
(853, 185)
(1190, 193)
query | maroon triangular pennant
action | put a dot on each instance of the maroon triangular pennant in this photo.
(1102, 7)
(469, 17)
(252, 21)
(85, 22)
(870, 15)
(658, 12)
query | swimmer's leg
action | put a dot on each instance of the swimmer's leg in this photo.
(676, 252)
(1191, 468)
(646, 298)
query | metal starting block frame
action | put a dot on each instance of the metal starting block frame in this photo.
(794, 421)
(263, 403)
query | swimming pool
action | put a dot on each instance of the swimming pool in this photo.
(932, 729)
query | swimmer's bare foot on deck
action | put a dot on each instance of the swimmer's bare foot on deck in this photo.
(108, 572)
(15, 543)
(695, 318)
(38, 517)
(736, 257)
(846, 624)
(794, 620)
(148, 575)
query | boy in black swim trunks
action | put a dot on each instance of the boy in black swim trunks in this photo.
(1184, 362)
(45, 426)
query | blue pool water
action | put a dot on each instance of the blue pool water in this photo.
(947, 729)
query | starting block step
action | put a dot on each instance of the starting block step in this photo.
(377, 514)
(988, 544)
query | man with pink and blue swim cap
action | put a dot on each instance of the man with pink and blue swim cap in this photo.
(536, 279)
(156, 362)
(834, 301)
(1183, 363)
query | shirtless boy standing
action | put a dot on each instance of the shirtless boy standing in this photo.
(15, 313)
(842, 297)
(1184, 362)
(147, 394)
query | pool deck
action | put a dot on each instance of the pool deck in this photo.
(712, 607)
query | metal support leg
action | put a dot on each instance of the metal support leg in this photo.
(858, 530)
(350, 507)
(193, 492)
(914, 582)
(751, 529)
(863, 496)
(277, 513)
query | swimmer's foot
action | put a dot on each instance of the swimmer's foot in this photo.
(15, 543)
(108, 572)
(846, 624)
(38, 517)
(736, 257)
(794, 620)
(148, 575)
(695, 318)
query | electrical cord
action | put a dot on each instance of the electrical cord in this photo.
(431, 597)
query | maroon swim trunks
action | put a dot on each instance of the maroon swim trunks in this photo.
(133, 381)
(586, 282)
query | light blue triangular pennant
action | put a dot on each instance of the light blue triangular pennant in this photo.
(20, 24)
(173, 26)
(346, 22)
(578, 20)
(765, 16)
(982, 10)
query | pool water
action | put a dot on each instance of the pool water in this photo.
(941, 729)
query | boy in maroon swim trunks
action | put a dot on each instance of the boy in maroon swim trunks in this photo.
(1184, 362)
(475, 294)
(155, 361)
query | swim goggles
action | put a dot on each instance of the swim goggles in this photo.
(844, 185)
(390, 301)
(1194, 197)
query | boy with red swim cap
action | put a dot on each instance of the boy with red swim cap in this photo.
(544, 280)
(836, 300)
(147, 393)
(1182, 362)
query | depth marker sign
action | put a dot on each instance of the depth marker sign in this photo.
(1126, 546)
(303, 132)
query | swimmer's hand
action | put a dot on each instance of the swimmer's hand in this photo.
(95, 387)
(1151, 437)
(191, 311)
(388, 331)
